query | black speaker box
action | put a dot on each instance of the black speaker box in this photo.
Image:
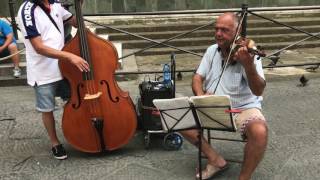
(149, 90)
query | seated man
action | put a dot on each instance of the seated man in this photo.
(243, 80)
(8, 46)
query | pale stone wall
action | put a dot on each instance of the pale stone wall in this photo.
(169, 5)
(120, 6)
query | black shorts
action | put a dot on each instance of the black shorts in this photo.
(5, 53)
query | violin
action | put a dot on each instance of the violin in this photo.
(251, 46)
(245, 42)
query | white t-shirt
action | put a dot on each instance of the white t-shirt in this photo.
(33, 22)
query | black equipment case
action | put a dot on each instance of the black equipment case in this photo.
(149, 90)
(149, 116)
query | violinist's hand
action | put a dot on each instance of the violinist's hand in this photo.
(79, 62)
(244, 57)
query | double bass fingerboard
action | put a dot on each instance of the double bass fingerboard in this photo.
(84, 48)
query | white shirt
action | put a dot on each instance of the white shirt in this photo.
(234, 80)
(33, 22)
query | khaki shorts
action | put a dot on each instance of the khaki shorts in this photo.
(245, 117)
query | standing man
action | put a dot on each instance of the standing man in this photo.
(41, 22)
(243, 80)
(8, 46)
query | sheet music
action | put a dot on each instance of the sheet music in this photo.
(210, 112)
(181, 111)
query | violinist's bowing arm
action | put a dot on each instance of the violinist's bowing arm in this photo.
(197, 85)
(255, 81)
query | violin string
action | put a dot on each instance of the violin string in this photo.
(232, 46)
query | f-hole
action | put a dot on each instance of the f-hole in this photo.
(116, 99)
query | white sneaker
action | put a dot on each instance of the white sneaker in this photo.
(16, 72)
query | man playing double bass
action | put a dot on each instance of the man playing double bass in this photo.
(243, 80)
(41, 22)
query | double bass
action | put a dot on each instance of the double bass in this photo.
(99, 116)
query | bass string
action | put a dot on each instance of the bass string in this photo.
(88, 76)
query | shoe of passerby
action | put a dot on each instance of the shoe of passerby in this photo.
(59, 152)
(16, 72)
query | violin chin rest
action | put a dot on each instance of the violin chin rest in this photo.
(251, 44)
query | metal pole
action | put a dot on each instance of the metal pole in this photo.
(244, 22)
(206, 11)
(277, 22)
(13, 20)
(173, 73)
(194, 70)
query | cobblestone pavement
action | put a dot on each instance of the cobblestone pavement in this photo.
(293, 151)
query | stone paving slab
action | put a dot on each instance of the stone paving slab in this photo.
(292, 112)
(293, 150)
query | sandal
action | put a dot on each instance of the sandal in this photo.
(212, 171)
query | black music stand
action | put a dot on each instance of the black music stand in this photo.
(197, 112)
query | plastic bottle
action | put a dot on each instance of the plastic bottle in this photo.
(166, 75)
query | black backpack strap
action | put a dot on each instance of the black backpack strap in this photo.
(49, 16)
(54, 23)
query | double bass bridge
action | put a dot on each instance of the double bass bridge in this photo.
(92, 96)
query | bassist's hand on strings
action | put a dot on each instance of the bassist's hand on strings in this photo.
(47, 51)
(79, 62)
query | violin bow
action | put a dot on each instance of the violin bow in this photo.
(232, 46)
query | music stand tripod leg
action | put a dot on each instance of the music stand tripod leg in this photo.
(200, 132)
